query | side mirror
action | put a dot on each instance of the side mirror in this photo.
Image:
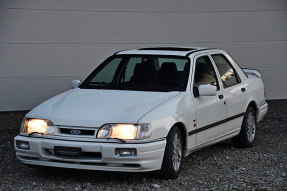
(75, 83)
(207, 90)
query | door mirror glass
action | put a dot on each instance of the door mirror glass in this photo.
(207, 90)
(75, 83)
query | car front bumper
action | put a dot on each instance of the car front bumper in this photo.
(95, 155)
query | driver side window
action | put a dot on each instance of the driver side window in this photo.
(204, 73)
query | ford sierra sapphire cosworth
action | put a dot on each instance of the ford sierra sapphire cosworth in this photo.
(144, 110)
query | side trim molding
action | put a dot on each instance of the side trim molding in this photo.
(215, 124)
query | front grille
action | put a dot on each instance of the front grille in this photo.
(77, 131)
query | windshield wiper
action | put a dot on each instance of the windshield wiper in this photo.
(104, 85)
(158, 89)
(139, 88)
(99, 83)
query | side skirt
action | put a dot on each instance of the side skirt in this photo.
(213, 141)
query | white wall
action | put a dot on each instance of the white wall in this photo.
(45, 44)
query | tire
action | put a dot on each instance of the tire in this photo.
(248, 132)
(173, 155)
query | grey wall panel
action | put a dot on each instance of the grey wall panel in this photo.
(48, 60)
(26, 93)
(46, 44)
(147, 5)
(51, 60)
(40, 60)
(263, 56)
(275, 84)
(37, 26)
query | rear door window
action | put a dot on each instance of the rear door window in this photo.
(227, 73)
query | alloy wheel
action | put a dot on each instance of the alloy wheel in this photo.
(251, 127)
(177, 152)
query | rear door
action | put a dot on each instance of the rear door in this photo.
(211, 110)
(234, 91)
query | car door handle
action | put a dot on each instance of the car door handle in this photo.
(243, 89)
(221, 96)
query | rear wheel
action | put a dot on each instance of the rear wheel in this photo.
(172, 161)
(247, 135)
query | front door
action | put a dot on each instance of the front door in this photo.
(211, 110)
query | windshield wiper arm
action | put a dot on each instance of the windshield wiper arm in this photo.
(99, 83)
(139, 88)
(156, 89)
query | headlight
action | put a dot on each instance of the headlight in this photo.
(40, 126)
(125, 131)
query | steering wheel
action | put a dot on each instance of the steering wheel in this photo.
(172, 81)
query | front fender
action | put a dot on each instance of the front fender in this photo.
(179, 109)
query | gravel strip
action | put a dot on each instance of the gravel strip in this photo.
(219, 167)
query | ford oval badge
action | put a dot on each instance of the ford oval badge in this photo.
(75, 132)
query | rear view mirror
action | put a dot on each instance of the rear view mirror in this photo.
(207, 90)
(75, 83)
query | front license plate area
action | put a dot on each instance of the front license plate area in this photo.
(67, 151)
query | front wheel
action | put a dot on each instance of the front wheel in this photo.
(173, 155)
(247, 135)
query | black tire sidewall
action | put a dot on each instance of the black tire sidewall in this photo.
(167, 170)
(245, 128)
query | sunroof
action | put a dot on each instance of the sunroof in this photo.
(168, 49)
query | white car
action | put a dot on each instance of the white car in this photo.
(144, 110)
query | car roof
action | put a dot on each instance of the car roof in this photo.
(179, 51)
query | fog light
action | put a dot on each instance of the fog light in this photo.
(22, 145)
(124, 152)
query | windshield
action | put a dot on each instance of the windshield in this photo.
(140, 73)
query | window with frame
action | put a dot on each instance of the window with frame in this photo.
(140, 73)
(204, 72)
(106, 75)
(227, 73)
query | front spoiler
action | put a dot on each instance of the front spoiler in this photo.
(149, 155)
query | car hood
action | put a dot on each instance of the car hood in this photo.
(93, 108)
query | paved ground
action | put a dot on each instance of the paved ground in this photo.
(219, 167)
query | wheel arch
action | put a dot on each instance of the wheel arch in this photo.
(254, 106)
(183, 131)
